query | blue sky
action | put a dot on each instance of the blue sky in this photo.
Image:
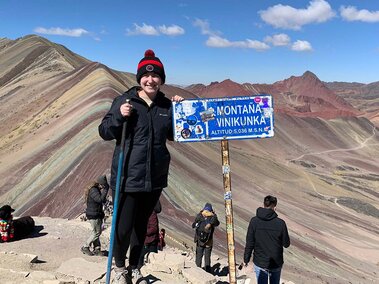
(205, 41)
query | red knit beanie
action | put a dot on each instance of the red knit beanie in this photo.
(150, 63)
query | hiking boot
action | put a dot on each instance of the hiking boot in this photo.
(137, 277)
(121, 276)
(98, 252)
(86, 251)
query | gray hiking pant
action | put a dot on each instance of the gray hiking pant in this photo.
(94, 237)
(206, 252)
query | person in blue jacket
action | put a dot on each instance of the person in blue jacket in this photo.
(148, 117)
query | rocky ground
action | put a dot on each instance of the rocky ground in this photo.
(52, 256)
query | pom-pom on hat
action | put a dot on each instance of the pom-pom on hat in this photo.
(150, 63)
(208, 207)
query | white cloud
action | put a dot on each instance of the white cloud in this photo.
(173, 30)
(219, 42)
(215, 39)
(204, 27)
(351, 13)
(278, 40)
(63, 32)
(143, 30)
(149, 30)
(287, 17)
(257, 45)
(301, 45)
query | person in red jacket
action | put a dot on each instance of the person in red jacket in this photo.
(162, 243)
(152, 235)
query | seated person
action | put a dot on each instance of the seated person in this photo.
(11, 230)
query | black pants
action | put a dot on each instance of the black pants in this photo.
(206, 252)
(23, 227)
(134, 211)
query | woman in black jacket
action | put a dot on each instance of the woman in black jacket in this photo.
(148, 117)
(95, 195)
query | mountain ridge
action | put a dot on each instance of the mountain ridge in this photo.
(322, 162)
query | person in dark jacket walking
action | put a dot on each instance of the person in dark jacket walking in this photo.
(205, 222)
(95, 195)
(266, 236)
(148, 118)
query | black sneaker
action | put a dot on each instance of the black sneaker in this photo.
(86, 251)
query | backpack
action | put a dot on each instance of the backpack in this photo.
(203, 235)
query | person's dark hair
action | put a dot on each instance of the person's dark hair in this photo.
(270, 201)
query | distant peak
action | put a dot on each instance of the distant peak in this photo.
(32, 36)
(227, 81)
(309, 74)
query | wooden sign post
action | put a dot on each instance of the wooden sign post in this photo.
(228, 210)
(223, 119)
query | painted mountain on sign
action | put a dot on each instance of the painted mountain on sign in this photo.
(322, 163)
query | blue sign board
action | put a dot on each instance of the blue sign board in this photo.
(223, 118)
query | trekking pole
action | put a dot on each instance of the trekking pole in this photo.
(115, 201)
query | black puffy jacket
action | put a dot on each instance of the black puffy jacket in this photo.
(146, 157)
(95, 200)
(266, 236)
(212, 220)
